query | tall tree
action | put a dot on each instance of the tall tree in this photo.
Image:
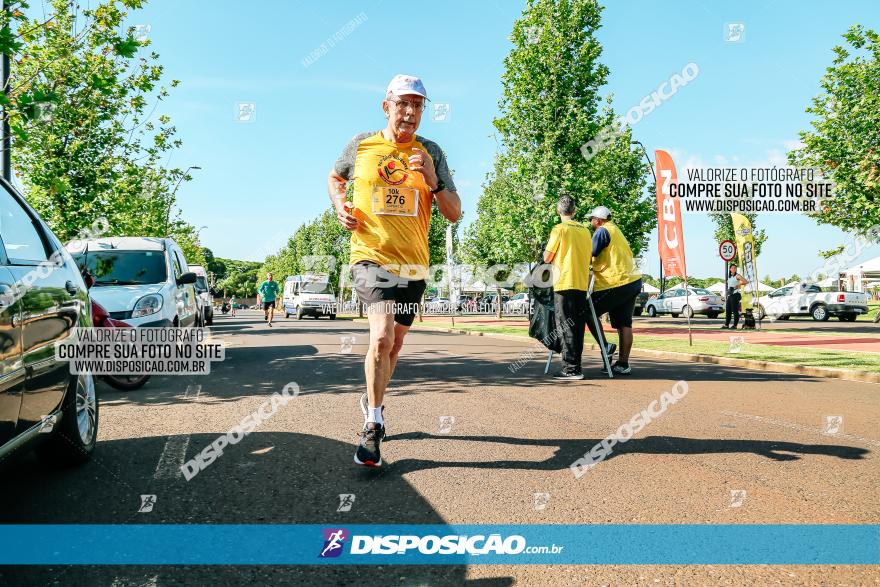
(550, 107)
(844, 142)
(81, 108)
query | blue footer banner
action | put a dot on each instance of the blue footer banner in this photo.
(256, 544)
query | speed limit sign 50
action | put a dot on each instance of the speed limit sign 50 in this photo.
(727, 250)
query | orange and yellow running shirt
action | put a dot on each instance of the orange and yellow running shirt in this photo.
(391, 202)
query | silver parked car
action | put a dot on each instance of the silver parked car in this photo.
(678, 302)
(518, 304)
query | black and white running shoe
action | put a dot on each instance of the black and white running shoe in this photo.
(569, 374)
(610, 349)
(618, 369)
(369, 451)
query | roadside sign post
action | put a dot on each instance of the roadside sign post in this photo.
(727, 251)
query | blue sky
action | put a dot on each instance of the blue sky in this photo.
(259, 181)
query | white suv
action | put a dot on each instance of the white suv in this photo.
(142, 280)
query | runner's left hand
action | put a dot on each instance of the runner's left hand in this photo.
(421, 162)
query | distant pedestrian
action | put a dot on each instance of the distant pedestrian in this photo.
(269, 290)
(735, 281)
(232, 305)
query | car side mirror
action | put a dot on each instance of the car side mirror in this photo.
(187, 278)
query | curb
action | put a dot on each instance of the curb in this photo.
(827, 372)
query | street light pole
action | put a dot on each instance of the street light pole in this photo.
(651, 164)
(171, 198)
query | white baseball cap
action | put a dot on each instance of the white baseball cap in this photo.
(402, 85)
(601, 212)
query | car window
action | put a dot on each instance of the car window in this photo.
(317, 287)
(21, 237)
(701, 292)
(175, 260)
(123, 267)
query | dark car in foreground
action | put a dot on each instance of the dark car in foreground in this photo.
(42, 299)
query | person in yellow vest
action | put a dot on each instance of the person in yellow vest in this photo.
(618, 283)
(397, 177)
(570, 249)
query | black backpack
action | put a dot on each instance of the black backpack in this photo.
(542, 319)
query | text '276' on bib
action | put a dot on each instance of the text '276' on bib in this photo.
(395, 201)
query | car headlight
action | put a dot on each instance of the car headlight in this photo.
(147, 305)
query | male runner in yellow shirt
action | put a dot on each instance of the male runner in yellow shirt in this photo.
(397, 176)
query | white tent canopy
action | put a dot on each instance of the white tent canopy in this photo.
(719, 287)
(648, 288)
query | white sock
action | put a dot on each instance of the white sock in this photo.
(375, 415)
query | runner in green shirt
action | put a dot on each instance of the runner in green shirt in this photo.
(269, 290)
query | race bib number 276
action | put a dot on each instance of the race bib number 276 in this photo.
(395, 201)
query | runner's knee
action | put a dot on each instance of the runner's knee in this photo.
(383, 344)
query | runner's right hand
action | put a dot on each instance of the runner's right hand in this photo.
(347, 221)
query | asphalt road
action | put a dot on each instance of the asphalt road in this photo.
(514, 434)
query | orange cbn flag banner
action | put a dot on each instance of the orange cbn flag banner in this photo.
(670, 236)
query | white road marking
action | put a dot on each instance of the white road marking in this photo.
(173, 457)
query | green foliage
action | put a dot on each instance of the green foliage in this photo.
(724, 230)
(323, 238)
(238, 279)
(550, 107)
(692, 281)
(85, 143)
(832, 252)
(844, 142)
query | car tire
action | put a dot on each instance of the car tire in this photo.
(712, 315)
(848, 317)
(652, 311)
(286, 314)
(73, 442)
(819, 313)
(687, 311)
(783, 317)
(333, 316)
(674, 315)
(637, 311)
(126, 382)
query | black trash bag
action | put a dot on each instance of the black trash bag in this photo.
(542, 319)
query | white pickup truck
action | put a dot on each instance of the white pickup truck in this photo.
(807, 299)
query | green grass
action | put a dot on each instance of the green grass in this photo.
(778, 354)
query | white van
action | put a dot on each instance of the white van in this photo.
(308, 294)
(203, 291)
(144, 281)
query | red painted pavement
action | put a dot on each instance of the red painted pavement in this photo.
(864, 343)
